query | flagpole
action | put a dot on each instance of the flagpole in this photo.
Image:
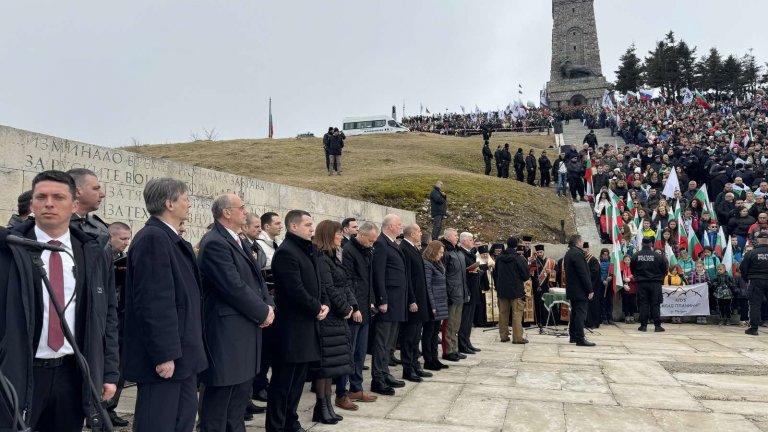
(270, 118)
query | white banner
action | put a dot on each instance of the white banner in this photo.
(687, 300)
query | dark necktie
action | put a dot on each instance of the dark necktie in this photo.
(274, 245)
(56, 276)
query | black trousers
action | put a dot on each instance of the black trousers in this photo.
(112, 404)
(465, 329)
(758, 292)
(57, 398)
(519, 174)
(429, 332)
(166, 406)
(409, 346)
(499, 170)
(380, 350)
(649, 302)
(532, 177)
(284, 395)
(545, 179)
(223, 407)
(487, 166)
(260, 382)
(576, 186)
(437, 226)
(578, 316)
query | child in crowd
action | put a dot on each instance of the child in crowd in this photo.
(723, 290)
(742, 299)
(629, 293)
(697, 277)
(674, 278)
(687, 265)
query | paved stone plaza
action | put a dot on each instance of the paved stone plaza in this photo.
(693, 377)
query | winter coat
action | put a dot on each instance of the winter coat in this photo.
(417, 289)
(740, 225)
(390, 279)
(438, 202)
(335, 338)
(336, 143)
(512, 271)
(578, 283)
(436, 289)
(544, 164)
(530, 163)
(356, 260)
(455, 274)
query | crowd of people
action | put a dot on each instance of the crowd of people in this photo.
(260, 305)
(519, 119)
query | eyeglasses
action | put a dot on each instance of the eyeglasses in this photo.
(242, 208)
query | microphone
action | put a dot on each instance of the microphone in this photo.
(31, 244)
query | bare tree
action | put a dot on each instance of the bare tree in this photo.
(135, 143)
(194, 136)
(211, 135)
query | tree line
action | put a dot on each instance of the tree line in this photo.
(673, 65)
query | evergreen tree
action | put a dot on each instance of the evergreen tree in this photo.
(750, 71)
(686, 57)
(710, 72)
(732, 75)
(629, 72)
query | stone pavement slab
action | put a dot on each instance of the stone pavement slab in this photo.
(652, 396)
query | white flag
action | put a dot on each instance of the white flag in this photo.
(687, 96)
(463, 110)
(671, 185)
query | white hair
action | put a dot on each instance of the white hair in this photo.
(466, 235)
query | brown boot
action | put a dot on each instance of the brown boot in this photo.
(361, 396)
(346, 404)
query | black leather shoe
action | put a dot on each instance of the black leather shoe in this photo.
(424, 374)
(642, 328)
(524, 341)
(442, 365)
(504, 340)
(585, 342)
(254, 409)
(260, 395)
(392, 382)
(659, 329)
(117, 420)
(395, 360)
(461, 356)
(467, 351)
(474, 349)
(366, 367)
(247, 416)
(751, 331)
(572, 340)
(412, 377)
(451, 357)
(432, 366)
(382, 388)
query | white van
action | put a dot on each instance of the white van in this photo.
(371, 125)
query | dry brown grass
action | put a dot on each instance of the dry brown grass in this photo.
(397, 170)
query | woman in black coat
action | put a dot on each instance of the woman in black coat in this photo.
(335, 338)
(434, 273)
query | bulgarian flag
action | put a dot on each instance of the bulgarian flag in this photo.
(658, 237)
(630, 205)
(616, 256)
(694, 247)
(703, 196)
(588, 177)
(728, 258)
(681, 234)
(701, 100)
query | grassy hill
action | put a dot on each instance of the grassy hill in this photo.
(397, 170)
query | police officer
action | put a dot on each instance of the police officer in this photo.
(754, 269)
(649, 269)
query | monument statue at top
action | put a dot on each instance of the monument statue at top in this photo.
(576, 76)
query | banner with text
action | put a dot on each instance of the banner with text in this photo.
(689, 300)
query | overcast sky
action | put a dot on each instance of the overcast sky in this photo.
(105, 72)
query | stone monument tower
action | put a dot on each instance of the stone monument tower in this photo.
(576, 76)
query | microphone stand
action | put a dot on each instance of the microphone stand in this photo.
(100, 420)
(13, 404)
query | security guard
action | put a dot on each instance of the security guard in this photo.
(649, 269)
(754, 269)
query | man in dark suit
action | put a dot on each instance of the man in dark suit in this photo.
(89, 197)
(163, 335)
(390, 286)
(349, 227)
(468, 251)
(236, 306)
(418, 305)
(36, 357)
(301, 305)
(578, 289)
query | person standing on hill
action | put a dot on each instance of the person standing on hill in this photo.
(545, 166)
(327, 143)
(519, 164)
(334, 152)
(499, 161)
(487, 156)
(591, 139)
(530, 167)
(506, 159)
(438, 204)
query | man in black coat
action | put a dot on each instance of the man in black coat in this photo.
(36, 357)
(326, 144)
(390, 286)
(499, 162)
(438, 208)
(356, 259)
(487, 157)
(163, 334)
(418, 305)
(468, 251)
(591, 139)
(506, 158)
(648, 269)
(301, 304)
(519, 165)
(545, 168)
(236, 305)
(530, 168)
(511, 272)
(335, 146)
(578, 289)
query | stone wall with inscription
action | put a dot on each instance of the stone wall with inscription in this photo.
(123, 175)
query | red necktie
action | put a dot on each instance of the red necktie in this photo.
(56, 276)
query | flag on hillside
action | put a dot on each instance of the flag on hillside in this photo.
(701, 100)
(530, 104)
(747, 137)
(670, 254)
(687, 96)
(728, 258)
(421, 108)
(672, 184)
(645, 95)
(607, 102)
(588, 176)
(463, 110)
(428, 111)
(733, 142)
(694, 247)
(703, 196)
(477, 109)
(271, 125)
(629, 205)
(721, 243)
(616, 258)
(639, 237)
(682, 236)
(543, 99)
(658, 242)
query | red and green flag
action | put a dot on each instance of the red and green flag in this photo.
(588, 176)
(701, 100)
(694, 247)
(616, 256)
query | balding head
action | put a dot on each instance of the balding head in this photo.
(392, 225)
(412, 233)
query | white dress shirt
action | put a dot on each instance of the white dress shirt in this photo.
(234, 236)
(43, 350)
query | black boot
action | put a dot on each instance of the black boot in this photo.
(329, 405)
(321, 413)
